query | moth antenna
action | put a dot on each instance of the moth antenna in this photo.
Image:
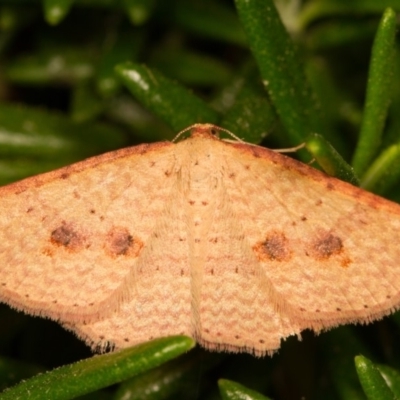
(291, 149)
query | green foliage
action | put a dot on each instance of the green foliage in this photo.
(82, 77)
(85, 376)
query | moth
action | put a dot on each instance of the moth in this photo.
(234, 245)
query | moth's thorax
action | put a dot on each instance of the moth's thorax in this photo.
(201, 167)
(200, 180)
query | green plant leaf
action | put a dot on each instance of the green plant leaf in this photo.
(56, 10)
(170, 101)
(280, 67)
(139, 11)
(34, 141)
(343, 32)
(329, 159)
(34, 132)
(98, 372)
(378, 93)
(317, 9)
(392, 378)
(384, 172)
(124, 46)
(174, 379)
(372, 382)
(234, 391)
(247, 110)
(61, 67)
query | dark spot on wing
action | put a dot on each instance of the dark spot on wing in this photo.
(120, 242)
(326, 245)
(275, 247)
(68, 236)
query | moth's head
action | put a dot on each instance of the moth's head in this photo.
(205, 130)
